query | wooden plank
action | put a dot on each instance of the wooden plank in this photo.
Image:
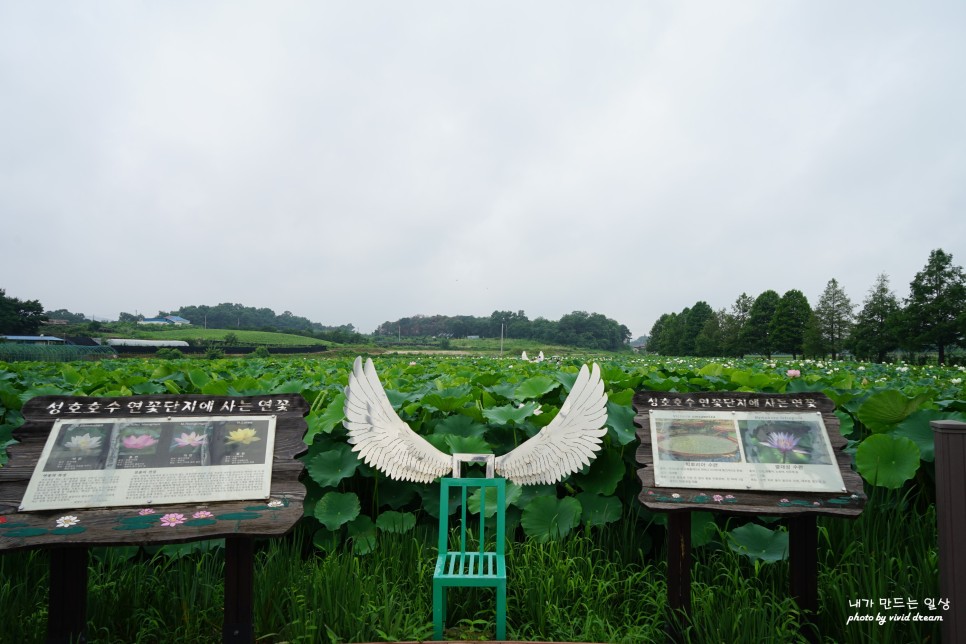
(238, 626)
(67, 597)
(136, 525)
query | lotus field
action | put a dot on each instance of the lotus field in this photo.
(587, 562)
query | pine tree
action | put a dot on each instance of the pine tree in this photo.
(936, 307)
(834, 316)
(876, 330)
(789, 323)
(756, 334)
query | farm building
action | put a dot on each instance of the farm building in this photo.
(131, 342)
(167, 319)
(31, 339)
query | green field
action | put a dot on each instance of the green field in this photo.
(245, 338)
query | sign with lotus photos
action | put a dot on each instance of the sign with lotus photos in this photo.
(111, 462)
(743, 450)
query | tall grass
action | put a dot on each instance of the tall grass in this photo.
(599, 585)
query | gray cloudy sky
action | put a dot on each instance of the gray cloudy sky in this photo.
(357, 162)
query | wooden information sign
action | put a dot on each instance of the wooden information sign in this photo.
(151, 470)
(745, 453)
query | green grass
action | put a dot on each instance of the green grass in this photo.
(255, 338)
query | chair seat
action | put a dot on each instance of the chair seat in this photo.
(463, 567)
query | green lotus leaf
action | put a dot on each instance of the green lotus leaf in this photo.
(510, 413)
(917, 429)
(448, 400)
(460, 425)
(548, 517)
(430, 499)
(468, 445)
(624, 397)
(759, 543)
(198, 523)
(326, 420)
(620, 419)
(703, 528)
(331, 466)
(513, 493)
(599, 510)
(887, 461)
(846, 423)
(396, 494)
(535, 387)
(605, 472)
(362, 531)
(335, 509)
(396, 522)
(883, 409)
(198, 378)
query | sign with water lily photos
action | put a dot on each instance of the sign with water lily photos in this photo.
(136, 461)
(743, 450)
(152, 469)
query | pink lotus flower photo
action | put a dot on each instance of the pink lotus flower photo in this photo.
(190, 440)
(139, 441)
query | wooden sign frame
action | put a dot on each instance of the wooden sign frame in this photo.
(799, 509)
(69, 533)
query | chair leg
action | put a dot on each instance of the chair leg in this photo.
(501, 611)
(439, 610)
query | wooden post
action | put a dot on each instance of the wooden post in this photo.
(67, 597)
(803, 570)
(678, 569)
(950, 438)
(239, 626)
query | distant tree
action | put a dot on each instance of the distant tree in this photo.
(20, 317)
(676, 330)
(936, 306)
(698, 315)
(834, 315)
(64, 314)
(756, 333)
(660, 333)
(708, 342)
(129, 317)
(788, 325)
(878, 324)
(230, 339)
(733, 341)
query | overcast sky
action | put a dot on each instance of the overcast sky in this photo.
(357, 162)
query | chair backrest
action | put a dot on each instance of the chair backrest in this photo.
(466, 486)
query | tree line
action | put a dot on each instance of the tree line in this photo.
(578, 329)
(931, 318)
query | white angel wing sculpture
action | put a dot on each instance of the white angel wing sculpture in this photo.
(563, 447)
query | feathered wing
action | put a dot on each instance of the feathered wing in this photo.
(381, 437)
(568, 443)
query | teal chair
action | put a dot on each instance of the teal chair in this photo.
(470, 567)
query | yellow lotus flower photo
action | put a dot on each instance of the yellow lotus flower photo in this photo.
(245, 436)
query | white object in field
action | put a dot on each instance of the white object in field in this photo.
(524, 357)
(563, 447)
(540, 357)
